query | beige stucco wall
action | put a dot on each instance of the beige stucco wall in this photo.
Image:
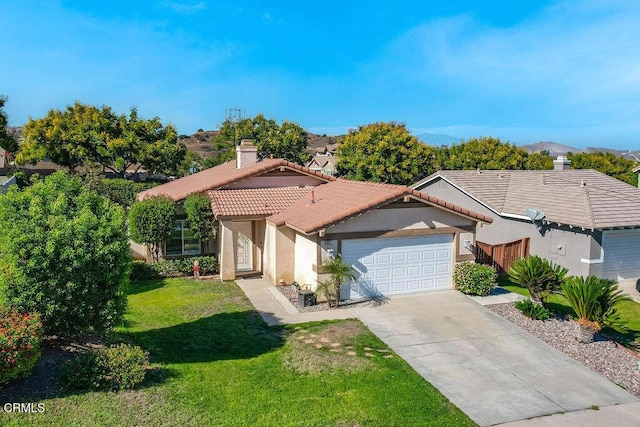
(306, 260)
(227, 256)
(562, 245)
(400, 219)
(285, 255)
(269, 253)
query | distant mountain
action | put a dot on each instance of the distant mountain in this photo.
(556, 149)
(552, 147)
(438, 139)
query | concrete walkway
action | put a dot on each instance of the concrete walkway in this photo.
(492, 370)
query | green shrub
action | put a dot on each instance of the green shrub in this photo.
(474, 279)
(64, 253)
(174, 267)
(533, 310)
(141, 270)
(594, 301)
(119, 367)
(540, 276)
(199, 215)
(20, 340)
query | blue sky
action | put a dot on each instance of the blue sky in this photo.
(524, 71)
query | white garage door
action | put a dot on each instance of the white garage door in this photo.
(621, 254)
(399, 265)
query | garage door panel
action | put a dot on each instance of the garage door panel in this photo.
(621, 254)
(399, 265)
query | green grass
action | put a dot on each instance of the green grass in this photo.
(217, 363)
(629, 312)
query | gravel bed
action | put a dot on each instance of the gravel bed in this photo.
(293, 298)
(608, 358)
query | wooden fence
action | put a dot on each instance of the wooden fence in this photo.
(502, 255)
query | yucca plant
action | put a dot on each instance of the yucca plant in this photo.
(594, 301)
(540, 276)
(340, 273)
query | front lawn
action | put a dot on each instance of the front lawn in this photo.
(217, 363)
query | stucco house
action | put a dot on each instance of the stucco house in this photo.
(325, 164)
(283, 220)
(590, 222)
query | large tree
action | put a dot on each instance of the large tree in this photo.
(287, 141)
(384, 152)
(64, 253)
(85, 135)
(7, 142)
(482, 153)
(607, 163)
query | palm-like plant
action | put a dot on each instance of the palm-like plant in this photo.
(539, 276)
(594, 301)
(340, 273)
(327, 289)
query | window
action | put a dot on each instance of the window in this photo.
(182, 240)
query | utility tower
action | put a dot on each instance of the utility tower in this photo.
(235, 116)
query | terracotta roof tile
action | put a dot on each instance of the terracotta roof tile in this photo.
(222, 175)
(254, 201)
(341, 199)
(577, 197)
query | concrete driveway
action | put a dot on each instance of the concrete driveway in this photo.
(492, 370)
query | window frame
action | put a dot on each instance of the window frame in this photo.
(184, 226)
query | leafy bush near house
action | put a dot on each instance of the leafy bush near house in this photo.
(474, 279)
(200, 216)
(64, 253)
(533, 310)
(594, 301)
(141, 270)
(20, 340)
(540, 276)
(151, 222)
(119, 367)
(174, 267)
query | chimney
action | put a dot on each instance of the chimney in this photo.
(561, 164)
(246, 154)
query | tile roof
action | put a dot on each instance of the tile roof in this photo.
(222, 175)
(341, 199)
(254, 201)
(577, 197)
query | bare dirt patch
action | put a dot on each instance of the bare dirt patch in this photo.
(329, 348)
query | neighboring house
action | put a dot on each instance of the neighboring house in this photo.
(324, 164)
(283, 220)
(591, 222)
(6, 183)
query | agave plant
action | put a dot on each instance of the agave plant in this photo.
(594, 301)
(540, 276)
(340, 273)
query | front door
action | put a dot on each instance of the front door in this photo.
(243, 236)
